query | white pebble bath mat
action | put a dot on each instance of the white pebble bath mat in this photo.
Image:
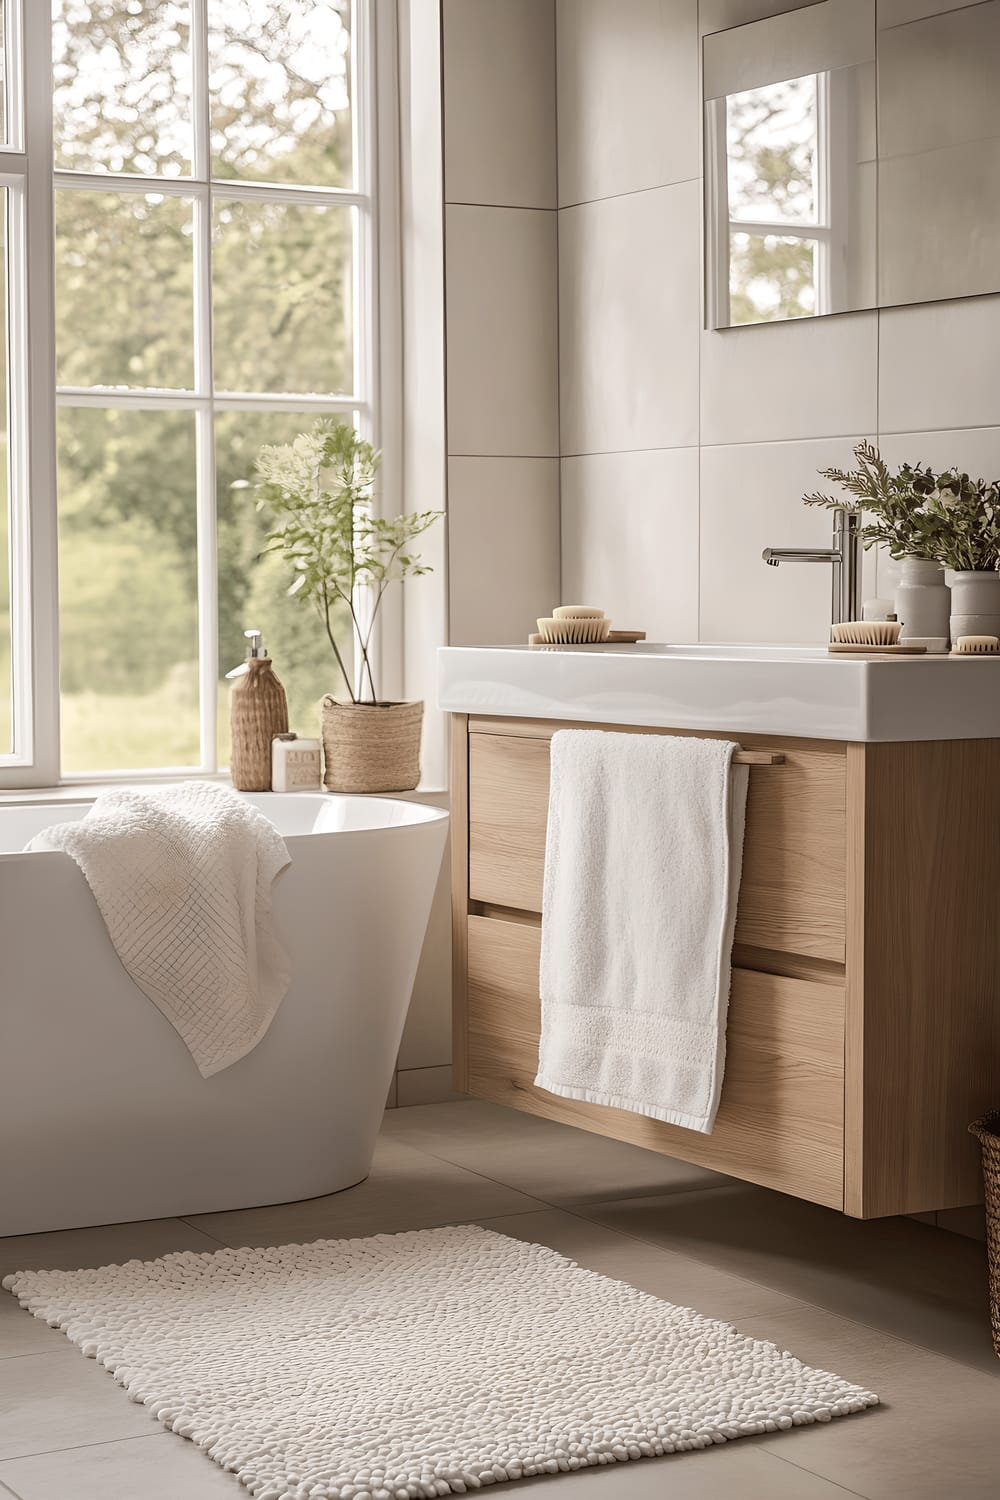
(414, 1365)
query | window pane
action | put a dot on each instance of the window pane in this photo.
(128, 592)
(283, 298)
(253, 590)
(124, 290)
(122, 85)
(281, 95)
(771, 144)
(4, 122)
(6, 678)
(771, 276)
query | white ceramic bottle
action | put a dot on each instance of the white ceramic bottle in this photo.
(923, 601)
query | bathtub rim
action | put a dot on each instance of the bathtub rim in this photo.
(416, 815)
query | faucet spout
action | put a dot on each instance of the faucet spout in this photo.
(844, 558)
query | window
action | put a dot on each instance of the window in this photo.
(204, 284)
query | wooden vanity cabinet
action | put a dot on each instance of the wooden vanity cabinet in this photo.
(864, 1018)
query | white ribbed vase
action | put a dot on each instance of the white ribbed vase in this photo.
(923, 599)
(975, 604)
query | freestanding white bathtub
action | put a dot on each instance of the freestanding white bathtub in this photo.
(104, 1116)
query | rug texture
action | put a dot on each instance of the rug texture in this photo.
(422, 1364)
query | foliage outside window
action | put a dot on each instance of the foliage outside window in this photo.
(212, 241)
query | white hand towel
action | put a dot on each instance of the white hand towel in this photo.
(642, 874)
(182, 876)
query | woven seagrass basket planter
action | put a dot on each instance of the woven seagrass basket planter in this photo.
(371, 747)
(987, 1133)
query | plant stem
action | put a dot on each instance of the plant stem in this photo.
(336, 648)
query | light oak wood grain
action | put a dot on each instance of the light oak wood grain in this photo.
(780, 1122)
(870, 882)
(792, 893)
(923, 999)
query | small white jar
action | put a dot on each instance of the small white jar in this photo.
(295, 764)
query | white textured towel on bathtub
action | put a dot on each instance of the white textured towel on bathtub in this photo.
(642, 875)
(182, 876)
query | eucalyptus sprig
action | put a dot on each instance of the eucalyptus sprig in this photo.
(320, 490)
(915, 512)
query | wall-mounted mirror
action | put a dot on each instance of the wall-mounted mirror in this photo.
(852, 158)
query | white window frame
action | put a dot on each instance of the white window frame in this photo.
(26, 168)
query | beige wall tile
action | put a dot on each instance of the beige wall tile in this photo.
(812, 377)
(630, 539)
(502, 336)
(629, 98)
(974, 449)
(503, 519)
(921, 200)
(629, 294)
(969, 1221)
(499, 102)
(751, 499)
(719, 15)
(427, 1033)
(939, 366)
(425, 1086)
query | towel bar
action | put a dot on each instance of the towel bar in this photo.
(758, 758)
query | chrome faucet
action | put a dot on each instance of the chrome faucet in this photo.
(844, 556)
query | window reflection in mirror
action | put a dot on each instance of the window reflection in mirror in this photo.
(790, 165)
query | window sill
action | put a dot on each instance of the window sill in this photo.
(87, 791)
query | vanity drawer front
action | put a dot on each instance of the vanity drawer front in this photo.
(792, 892)
(781, 1118)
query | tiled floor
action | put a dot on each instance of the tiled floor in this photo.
(898, 1306)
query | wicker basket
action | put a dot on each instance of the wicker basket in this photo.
(987, 1133)
(371, 747)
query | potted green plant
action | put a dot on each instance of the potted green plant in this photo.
(343, 555)
(929, 521)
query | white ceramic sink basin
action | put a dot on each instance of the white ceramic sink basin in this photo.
(782, 690)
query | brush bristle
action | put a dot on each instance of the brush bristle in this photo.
(866, 633)
(574, 632)
(976, 645)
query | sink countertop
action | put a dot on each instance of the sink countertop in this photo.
(801, 691)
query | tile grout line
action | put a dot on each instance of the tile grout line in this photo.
(844, 1489)
(134, 1437)
(213, 1237)
(802, 1301)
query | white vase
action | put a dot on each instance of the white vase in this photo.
(975, 604)
(923, 600)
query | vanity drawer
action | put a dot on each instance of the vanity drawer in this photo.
(792, 892)
(781, 1118)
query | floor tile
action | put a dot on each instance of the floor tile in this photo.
(22, 1334)
(554, 1162)
(407, 1189)
(103, 1245)
(934, 1436)
(159, 1467)
(906, 1278)
(50, 1401)
(734, 1471)
(675, 1278)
